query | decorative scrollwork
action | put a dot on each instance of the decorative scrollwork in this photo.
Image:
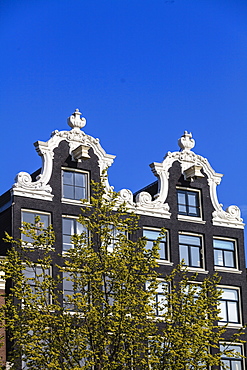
(143, 198)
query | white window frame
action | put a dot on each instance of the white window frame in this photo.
(115, 238)
(232, 324)
(37, 265)
(87, 189)
(232, 358)
(202, 252)
(226, 268)
(75, 219)
(196, 219)
(37, 213)
(161, 261)
(154, 301)
(71, 311)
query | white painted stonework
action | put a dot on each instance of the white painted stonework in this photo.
(77, 139)
(79, 143)
(191, 164)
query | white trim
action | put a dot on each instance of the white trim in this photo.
(159, 208)
(226, 343)
(223, 268)
(166, 261)
(229, 324)
(228, 270)
(202, 252)
(196, 220)
(40, 189)
(87, 187)
(190, 218)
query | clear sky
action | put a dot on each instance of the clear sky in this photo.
(140, 71)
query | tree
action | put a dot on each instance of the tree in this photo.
(107, 318)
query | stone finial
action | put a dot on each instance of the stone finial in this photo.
(186, 142)
(75, 121)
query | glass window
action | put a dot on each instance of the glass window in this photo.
(114, 233)
(35, 277)
(30, 216)
(75, 185)
(232, 363)
(159, 300)
(229, 306)
(152, 236)
(188, 203)
(224, 253)
(71, 286)
(190, 249)
(71, 227)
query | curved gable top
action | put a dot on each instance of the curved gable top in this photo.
(191, 166)
(79, 144)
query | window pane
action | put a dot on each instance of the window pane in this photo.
(223, 244)
(189, 239)
(184, 254)
(233, 311)
(192, 199)
(193, 211)
(229, 259)
(162, 251)
(79, 179)
(230, 294)
(68, 178)
(195, 257)
(149, 244)
(80, 228)
(68, 191)
(181, 198)
(151, 234)
(68, 226)
(28, 217)
(182, 208)
(236, 365)
(44, 219)
(218, 258)
(79, 193)
(222, 307)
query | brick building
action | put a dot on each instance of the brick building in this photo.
(183, 199)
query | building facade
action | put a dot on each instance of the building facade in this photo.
(183, 200)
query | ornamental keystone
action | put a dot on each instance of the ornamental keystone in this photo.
(186, 142)
(75, 121)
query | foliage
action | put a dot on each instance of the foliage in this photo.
(109, 321)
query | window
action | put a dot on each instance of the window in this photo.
(232, 363)
(73, 283)
(224, 253)
(229, 306)
(35, 276)
(30, 216)
(75, 185)
(159, 300)
(71, 227)
(68, 290)
(190, 249)
(188, 203)
(152, 236)
(114, 234)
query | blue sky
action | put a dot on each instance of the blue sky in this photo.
(141, 72)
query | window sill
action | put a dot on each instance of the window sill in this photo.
(196, 269)
(165, 262)
(197, 220)
(230, 325)
(73, 201)
(225, 269)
